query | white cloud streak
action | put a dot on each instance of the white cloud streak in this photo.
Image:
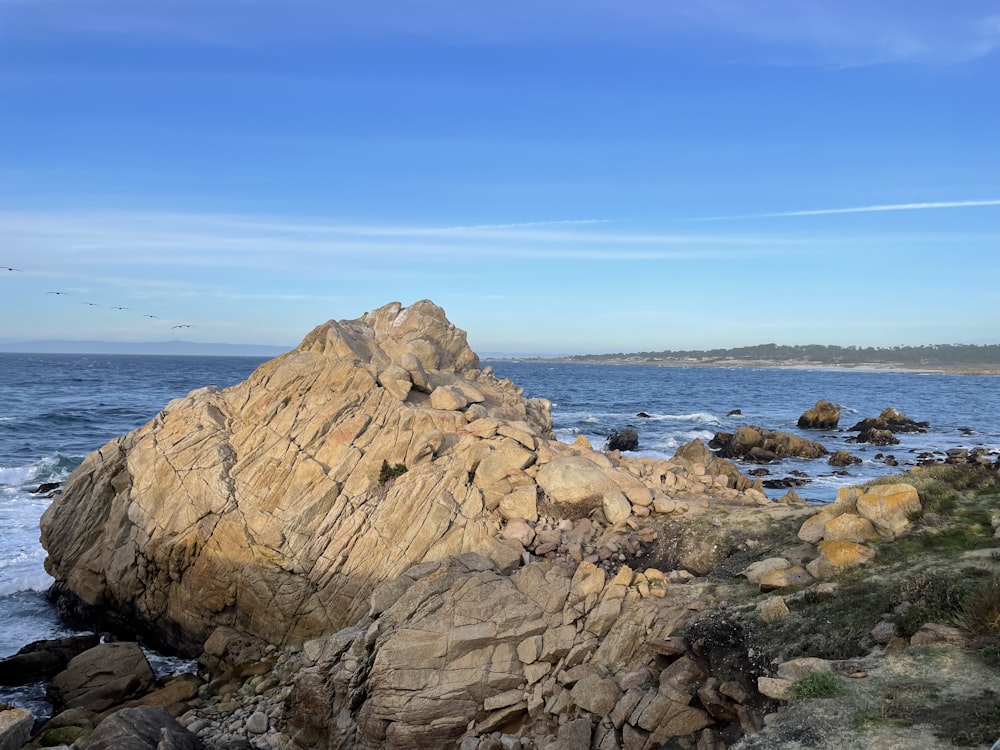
(825, 32)
(859, 209)
(201, 240)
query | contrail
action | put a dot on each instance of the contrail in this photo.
(860, 209)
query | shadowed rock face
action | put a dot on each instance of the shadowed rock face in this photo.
(260, 507)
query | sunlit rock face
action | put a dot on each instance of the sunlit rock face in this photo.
(260, 506)
(277, 505)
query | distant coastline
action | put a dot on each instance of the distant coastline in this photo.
(764, 363)
(967, 359)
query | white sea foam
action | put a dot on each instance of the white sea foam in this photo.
(37, 580)
(15, 476)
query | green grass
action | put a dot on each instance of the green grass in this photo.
(816, 685)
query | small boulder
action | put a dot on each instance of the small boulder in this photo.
(825, 415)
(754, 571)
(843, 458)
(622, 440)
(875, 436)
(834, 556)
(15, 727)
(774, 687)
(889, 507)
(796, 669)
(779, 579)
(616, 507)
(102, 677)
(574, 480)
(141, 728)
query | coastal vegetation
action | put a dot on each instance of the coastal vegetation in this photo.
(963, 356)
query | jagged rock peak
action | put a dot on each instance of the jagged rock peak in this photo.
(388, 334)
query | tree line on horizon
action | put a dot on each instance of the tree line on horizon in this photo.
(932, 354)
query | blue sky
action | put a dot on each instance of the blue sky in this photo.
(561, 177)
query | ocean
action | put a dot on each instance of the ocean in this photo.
(55, 409)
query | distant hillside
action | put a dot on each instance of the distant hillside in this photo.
(951, 356)
(189, 348)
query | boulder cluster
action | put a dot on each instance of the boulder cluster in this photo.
(376, 542)
(839, 532)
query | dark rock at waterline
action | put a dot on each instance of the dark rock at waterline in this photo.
(48, 489)
(825, 415)
(785, 483)
(843, 458)
(642, 415)
(734, 413)
(141, 728)
(875, 436)
(41, 660)
(622, 440)
(892, 420)
(102, 677)
(754, 443)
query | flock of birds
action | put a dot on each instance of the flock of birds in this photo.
(11, 269)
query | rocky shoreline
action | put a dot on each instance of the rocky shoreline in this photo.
(373, 542)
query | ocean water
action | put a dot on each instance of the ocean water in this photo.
(684, 403)
(55, 409)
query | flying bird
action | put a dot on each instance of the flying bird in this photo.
(91, 304)
(8, 268)
(150, 316)
(183, 326)
(119, 308)
(57, 292)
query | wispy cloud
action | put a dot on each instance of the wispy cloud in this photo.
(860, 209)
(204, 240)
(827, 32)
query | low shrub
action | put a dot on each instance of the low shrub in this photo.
(980, 609)
(387, 473)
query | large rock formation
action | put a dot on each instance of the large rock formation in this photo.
(260, 507)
